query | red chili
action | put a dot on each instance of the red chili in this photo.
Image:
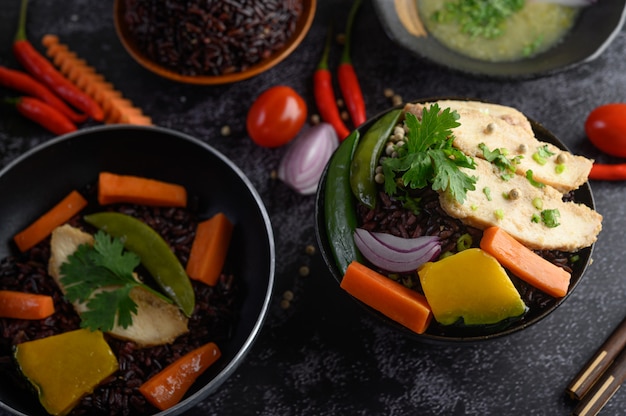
(43, 114)
(325, 96)
(24, 83)
(39, 67)
(608, 172)
(346, 76)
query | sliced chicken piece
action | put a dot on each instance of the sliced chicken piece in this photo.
(157, 322)
(512, 204)
(501, 127)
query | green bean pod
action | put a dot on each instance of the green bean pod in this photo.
(154, 252)
(339, 209)
(366, 156)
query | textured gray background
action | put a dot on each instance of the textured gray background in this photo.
(323, 355)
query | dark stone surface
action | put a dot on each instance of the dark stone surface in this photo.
(323, 355)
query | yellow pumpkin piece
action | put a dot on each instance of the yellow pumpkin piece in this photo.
(65, 367)
(471, 285)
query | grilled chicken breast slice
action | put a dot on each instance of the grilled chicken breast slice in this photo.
(157, 322)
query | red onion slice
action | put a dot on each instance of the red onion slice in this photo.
(303, 164)
(396, 254)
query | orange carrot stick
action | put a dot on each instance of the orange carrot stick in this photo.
(168, 387)
(22, 305)
(116, 109)
(209, 249)
(114, 188)
(392, 299)
(71, 205)
(524, 263)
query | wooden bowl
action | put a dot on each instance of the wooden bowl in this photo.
(302, 27)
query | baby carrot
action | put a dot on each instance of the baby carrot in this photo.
(209, 249)
(168, 387)
(392, 299)
(524, 263)
(22, 305)
(43, 226)
(114, 188)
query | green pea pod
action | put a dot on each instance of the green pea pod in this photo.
(154, 252)
(366, 156)
(339, 209)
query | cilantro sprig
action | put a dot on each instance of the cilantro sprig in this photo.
(101, 275)
(428, 158)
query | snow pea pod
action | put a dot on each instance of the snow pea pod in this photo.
(339, 209)
(154, 252)
(366, 156)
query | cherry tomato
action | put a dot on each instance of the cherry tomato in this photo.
(606, 128)
(276, 116)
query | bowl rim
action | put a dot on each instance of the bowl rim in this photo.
(302, 28)
(329, 260)
(191, 400)
(456, 62)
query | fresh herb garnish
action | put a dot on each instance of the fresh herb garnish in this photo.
(107, 266)
(531, 179)
(484, 18)
(550, 217)
(428, 158)
(498, 158)
(542, 155)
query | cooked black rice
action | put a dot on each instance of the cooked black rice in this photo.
(213, 319)
(391, 217)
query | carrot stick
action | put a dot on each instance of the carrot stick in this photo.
(116, 108)
(524, 263)
(22, 305)
(392, 299)
(209, 249)
(71, 205)
(114, 188)
(168, 387)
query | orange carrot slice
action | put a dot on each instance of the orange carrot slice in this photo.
(114, 188)
(116, 108)
(209, 249)
(392, 299)
(22, 305)
(71, 205)
(168, 387)
(525, 263)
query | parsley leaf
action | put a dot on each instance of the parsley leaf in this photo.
(499, 159)
(428, 158)
(106, 266)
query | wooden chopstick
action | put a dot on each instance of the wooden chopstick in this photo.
(598, 363)
(604, 388)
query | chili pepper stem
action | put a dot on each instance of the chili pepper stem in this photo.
(346, 54)
(21, 25)
(323, 63)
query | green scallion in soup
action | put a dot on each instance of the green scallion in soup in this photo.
(497, 30)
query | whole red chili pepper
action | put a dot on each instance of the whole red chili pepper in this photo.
(43, 114)
(39, 67)
(325, 96)
(24, 83)
(608, 172)
(346, 76)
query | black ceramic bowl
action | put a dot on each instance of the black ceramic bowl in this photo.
(595, 28)
(40, 178)
(457, 334)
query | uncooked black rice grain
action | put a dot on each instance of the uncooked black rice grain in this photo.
(211, 37)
